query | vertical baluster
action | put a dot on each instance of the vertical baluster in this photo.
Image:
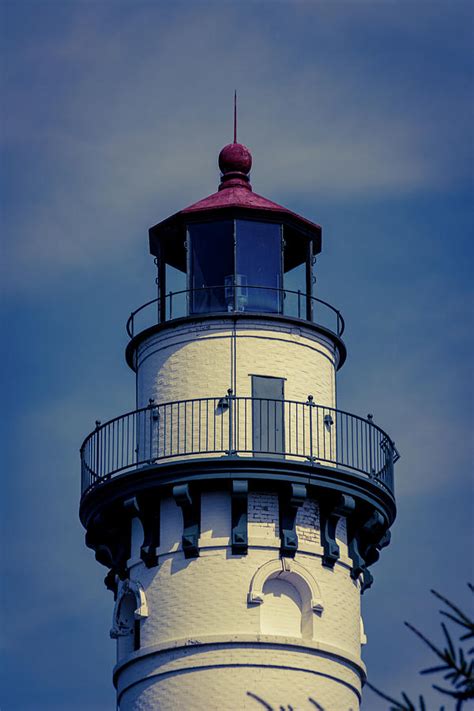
(165, 427)
(96, 446)
(318, 433)
(352, 442)
(199, 426)
(134, 439)
(178, 431)
(245, 424)
(331, 435)
(297, 417)
(185, 427)
(357, 440)
(237, 426)
(231, 421)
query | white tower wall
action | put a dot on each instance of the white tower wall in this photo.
(197, 359)
(221, 624)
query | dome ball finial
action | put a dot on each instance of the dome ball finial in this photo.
(235, 158)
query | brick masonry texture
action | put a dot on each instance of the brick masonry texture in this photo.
(222, 678)
(263, 515)
(193, 361)
(202, 645)
(198, 598)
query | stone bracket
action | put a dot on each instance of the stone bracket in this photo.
(191, 510)
(365, 540)
(111, 582)
(358, 562)
(331, 511)
(109, 537)
(289, 503)
(149, 514)
(239, 536)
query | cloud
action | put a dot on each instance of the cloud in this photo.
(132, 108)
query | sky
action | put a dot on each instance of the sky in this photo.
(359, 116)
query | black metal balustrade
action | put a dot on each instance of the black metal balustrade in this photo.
(236, 298)
(237, 426)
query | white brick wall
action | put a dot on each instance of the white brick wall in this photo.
(191, 601)
(307, 523)
(222, 676)
(192, 361)
(263, 516)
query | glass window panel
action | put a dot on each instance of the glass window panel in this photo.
(295, 291)
(212, 263)
(258, 269)
(175, 292)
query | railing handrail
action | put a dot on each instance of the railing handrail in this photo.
(352, 446)
(301, 294)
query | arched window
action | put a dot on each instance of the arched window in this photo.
(281, 611)
(130, 609)
(129, 638)
(289, 596)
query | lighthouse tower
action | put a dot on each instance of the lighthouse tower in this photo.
(237, 509)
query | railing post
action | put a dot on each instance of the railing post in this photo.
(393, 458)
(97, 453)
(151, 404)
(171, 304)
(309, 282)
(370, 417)
(311, 404)
(231, 398)
(299, 303)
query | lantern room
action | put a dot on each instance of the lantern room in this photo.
(235, 251)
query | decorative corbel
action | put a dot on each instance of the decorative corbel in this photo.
(191, 510)
(111, 582)
(367, 580)
(331, 511)
(374, 536)
(149, 508)
(239, 536)
(363, 537)
(110, 539)
(289, 503)
(355, 554)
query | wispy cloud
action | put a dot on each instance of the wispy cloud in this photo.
(129, 115)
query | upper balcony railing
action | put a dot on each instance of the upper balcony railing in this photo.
(236, 298)
(237, 426)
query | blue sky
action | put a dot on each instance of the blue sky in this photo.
(359, 116)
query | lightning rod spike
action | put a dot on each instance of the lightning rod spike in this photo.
(235, 116)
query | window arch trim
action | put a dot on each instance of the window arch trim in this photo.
(141, 612)
(294, 573)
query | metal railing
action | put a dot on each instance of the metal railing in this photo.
(243, 426)
(236, 298)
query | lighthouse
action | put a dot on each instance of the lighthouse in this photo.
(236, 508)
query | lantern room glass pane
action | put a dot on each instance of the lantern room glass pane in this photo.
(258, 266)
(295, 291)
(212, 264)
